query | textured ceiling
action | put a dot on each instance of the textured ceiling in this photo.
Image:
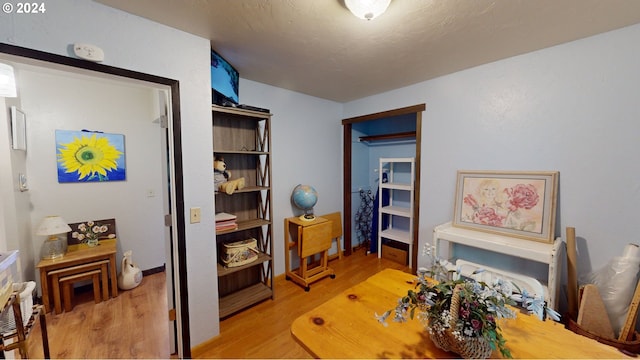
(318, 48)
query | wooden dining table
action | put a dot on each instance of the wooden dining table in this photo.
(346, 327)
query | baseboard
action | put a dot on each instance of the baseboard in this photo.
(154, 270)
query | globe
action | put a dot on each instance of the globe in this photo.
(305, 197)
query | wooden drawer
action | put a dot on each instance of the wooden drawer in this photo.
(395, 254)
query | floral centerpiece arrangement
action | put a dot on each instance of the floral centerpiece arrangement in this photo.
(89, 233)
(461, 314)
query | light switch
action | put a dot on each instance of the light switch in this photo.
(195, 215)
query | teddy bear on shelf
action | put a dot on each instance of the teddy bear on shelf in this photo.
(221, 177)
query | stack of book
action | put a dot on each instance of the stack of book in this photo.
(225, 221)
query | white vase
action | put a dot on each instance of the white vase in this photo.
(131, 275)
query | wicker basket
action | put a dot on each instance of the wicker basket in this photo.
(468, 347)
(240, 253)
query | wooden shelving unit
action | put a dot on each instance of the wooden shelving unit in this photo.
(243, 138)
(395, 220)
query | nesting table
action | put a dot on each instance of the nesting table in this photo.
(79, 256)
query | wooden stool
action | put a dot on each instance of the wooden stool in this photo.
(79, 269)
(67, 286)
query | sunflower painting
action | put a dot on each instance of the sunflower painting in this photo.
(87, 156)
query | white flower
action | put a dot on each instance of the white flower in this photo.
(90, 231)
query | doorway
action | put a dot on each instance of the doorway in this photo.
(389, 134)
(166, 93)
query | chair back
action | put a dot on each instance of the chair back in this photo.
(336, 220)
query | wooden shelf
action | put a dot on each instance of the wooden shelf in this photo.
(243, 138)
(245, 225)
(224, 271)
(241, 152)
(396, 136)
(396, 210)
(243, 112)
(244, 298)
(512, 246)
(545, 253)
(247, 189)
(403, 236)
(401, 176)
(396, 186)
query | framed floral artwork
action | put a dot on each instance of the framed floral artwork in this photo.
(519, 204)
(96, 230)
(90, 156)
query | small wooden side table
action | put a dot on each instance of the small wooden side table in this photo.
(106, 250)
(311, 238)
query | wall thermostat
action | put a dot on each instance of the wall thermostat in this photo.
(88, 52)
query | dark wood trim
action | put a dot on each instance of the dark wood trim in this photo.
(177, 146)
(155, 270)
(396, 136)
(346, 194)
(346, 171)
(416, 195)
(386, 114)
(180, 221)
(82, 64)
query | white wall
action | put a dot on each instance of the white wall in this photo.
(572, 108)
(56, 101)
(306, 131)
(15, 223)
(306, 135)
(137, 44)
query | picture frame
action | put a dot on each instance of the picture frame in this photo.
(90, 156)
(75, 243)
(18, 129)
(520, 204)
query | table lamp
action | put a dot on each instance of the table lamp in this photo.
(53, 226)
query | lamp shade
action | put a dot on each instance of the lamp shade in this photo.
(7, 81)
(52, 225)
(367, 9)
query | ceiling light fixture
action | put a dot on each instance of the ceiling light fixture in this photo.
(7, 81)
(367, 9)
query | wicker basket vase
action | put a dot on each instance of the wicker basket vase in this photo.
(468, 347)
(240, 253)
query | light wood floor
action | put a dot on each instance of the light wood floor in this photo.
(133, 325)
(263, 331)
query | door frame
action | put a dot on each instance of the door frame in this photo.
(178, 260)
(347, 127)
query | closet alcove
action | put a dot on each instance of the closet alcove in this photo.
(393, 133)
